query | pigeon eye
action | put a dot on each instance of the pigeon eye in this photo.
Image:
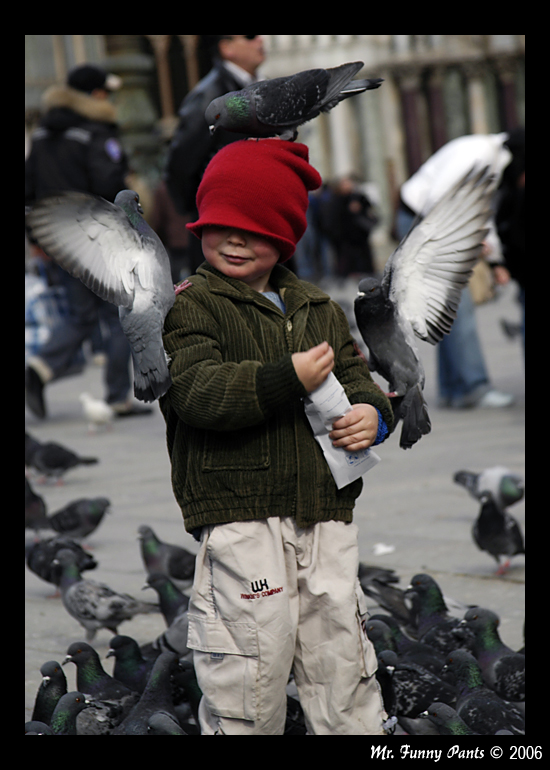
(218, 116)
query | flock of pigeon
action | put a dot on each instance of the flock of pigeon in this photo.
(441, 671)
(439, 674)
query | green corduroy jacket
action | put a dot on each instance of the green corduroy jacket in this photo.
(239, 442)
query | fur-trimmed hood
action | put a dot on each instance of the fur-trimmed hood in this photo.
(59, 99)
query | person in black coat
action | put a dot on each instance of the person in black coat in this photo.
(236, 61)
(76, 147)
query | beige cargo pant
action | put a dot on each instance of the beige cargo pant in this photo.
(269, 597)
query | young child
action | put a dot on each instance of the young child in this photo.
(276, 575)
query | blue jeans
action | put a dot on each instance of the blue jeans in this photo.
(460, 362)
(66, 338)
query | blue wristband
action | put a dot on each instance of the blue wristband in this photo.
(382, 429)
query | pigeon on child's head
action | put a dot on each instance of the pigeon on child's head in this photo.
(278, 107)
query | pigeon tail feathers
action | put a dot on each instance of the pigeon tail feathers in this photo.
(416, 421)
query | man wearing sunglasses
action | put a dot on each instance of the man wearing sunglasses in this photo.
(236, 59)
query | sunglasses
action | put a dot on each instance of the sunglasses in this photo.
(232, 37)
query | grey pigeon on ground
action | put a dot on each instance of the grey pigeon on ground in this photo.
(115, 253)
(161, 723)
(131, 667)
(65, 713)
(111, 700)
(95, 605)
(91, 677)
(446, 719)
(495, 530)
(168, 558)
(52, 688)
(40, 557)
(415, 687)
(174, 639)
(157, 696)
(481, 708)
(502, 668)
(52, 459)
(81, 517)
(278, 107)
(498, 533)
(505, 487)
(419, 294)
(409, 649)
(435, 625)
(171, 600)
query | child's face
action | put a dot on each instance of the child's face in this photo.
(240, 254)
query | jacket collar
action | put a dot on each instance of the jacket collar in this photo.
(294, 291)
(86, 106)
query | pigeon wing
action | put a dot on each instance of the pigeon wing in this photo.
(425, 275)
(93, 240)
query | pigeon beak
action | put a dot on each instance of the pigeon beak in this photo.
(110, 653)
(68, 659)
(360, 293)
(212, 130)
(46, 680)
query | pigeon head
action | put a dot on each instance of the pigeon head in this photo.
(79, 652)
(129, 201)
(66, 564)
(482, 622)
(511, 490)
(120, 644)
(388, 659)
(465, 668)
(429, 593)
(233, 110)
(51, 670)
(370, 299)
(504, 487)
(445, 717)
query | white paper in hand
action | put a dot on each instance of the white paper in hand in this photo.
(323, 407)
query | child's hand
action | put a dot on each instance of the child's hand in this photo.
(357, 429)
(314, 365)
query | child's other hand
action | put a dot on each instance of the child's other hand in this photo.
(314, 365)
(357, 429)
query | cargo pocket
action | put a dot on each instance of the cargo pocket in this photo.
(369, 660)
(226, 662)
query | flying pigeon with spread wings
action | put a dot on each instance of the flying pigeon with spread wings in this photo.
(278, 107)
(115, 253)
(419, 294)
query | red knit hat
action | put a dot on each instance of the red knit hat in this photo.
(258, 186)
